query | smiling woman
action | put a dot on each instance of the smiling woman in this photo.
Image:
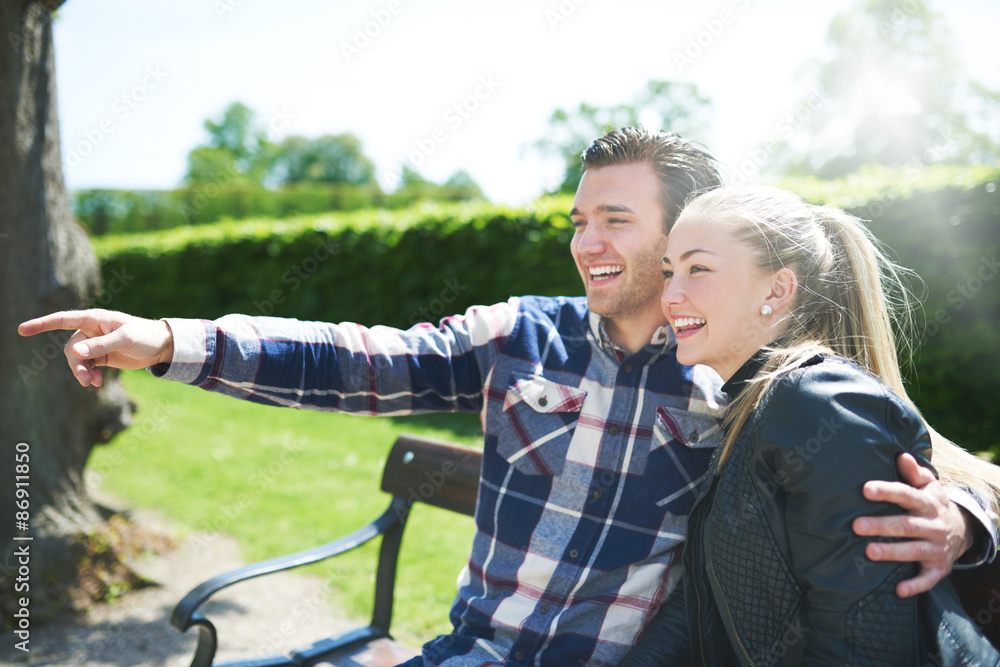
(785, 301)
(714, 294)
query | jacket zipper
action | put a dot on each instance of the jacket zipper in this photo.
(697, 592)
(729, 613)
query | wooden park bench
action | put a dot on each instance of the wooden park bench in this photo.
(418, 469)
(444, 475)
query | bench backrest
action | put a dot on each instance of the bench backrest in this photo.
(435, 472)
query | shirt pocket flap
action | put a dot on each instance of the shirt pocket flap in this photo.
(543, 395)
(539, 419)
(692, 429)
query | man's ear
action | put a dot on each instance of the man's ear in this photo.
(784, 286)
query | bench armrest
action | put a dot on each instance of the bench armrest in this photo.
(185, 613)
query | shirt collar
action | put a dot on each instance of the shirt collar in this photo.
(663, 338)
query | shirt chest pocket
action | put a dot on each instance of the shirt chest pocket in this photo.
(537, 423)
(680, 454)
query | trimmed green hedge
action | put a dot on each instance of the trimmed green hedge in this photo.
(132, 211)
(372, 266)
(428, 261)
(944, 223)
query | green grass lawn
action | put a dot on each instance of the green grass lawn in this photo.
(282, 480)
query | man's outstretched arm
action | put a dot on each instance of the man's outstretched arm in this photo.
(939, 530)
(106, 338)
(325, 366)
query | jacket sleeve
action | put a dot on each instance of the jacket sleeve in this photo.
(828, 430)
(665, 641)
(343, 367)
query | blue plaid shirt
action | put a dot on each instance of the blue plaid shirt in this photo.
(592, 457)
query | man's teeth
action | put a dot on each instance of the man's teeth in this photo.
(682, 322)
(598, 271)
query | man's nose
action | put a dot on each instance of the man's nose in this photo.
(590, 241)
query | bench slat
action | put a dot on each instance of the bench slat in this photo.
(435, 472)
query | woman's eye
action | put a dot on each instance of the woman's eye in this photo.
(698, 269)
(667, 274)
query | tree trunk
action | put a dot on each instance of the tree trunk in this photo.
(46, 264)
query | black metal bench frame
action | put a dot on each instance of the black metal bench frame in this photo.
(417, 469)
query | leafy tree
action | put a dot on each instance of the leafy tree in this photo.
(237, 149)
(411, 178)
(46, 418)
(327, 159)
(414, 187)
(894, 94)
(461, 181)
(666, 105)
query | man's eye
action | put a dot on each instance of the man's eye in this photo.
(578, 223)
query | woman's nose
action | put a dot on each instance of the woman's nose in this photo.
(673, 294)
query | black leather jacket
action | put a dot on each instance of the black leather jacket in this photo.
(774, 574)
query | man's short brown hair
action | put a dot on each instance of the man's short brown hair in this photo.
(682, 166)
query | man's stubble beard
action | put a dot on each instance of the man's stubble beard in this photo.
(642, 291)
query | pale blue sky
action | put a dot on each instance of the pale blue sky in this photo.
(136, 80)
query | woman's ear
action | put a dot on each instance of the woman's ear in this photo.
(783, 288)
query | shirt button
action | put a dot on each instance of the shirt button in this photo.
(597, 494)
(519, 655)
(628, 368)
(544, 609)
(613, 430)
(573, 553)
(543, 401)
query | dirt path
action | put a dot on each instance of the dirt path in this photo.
(256, 618)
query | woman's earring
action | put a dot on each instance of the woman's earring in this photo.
(765, 309)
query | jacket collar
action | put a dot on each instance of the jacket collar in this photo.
(743, 374)
(735, 385)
